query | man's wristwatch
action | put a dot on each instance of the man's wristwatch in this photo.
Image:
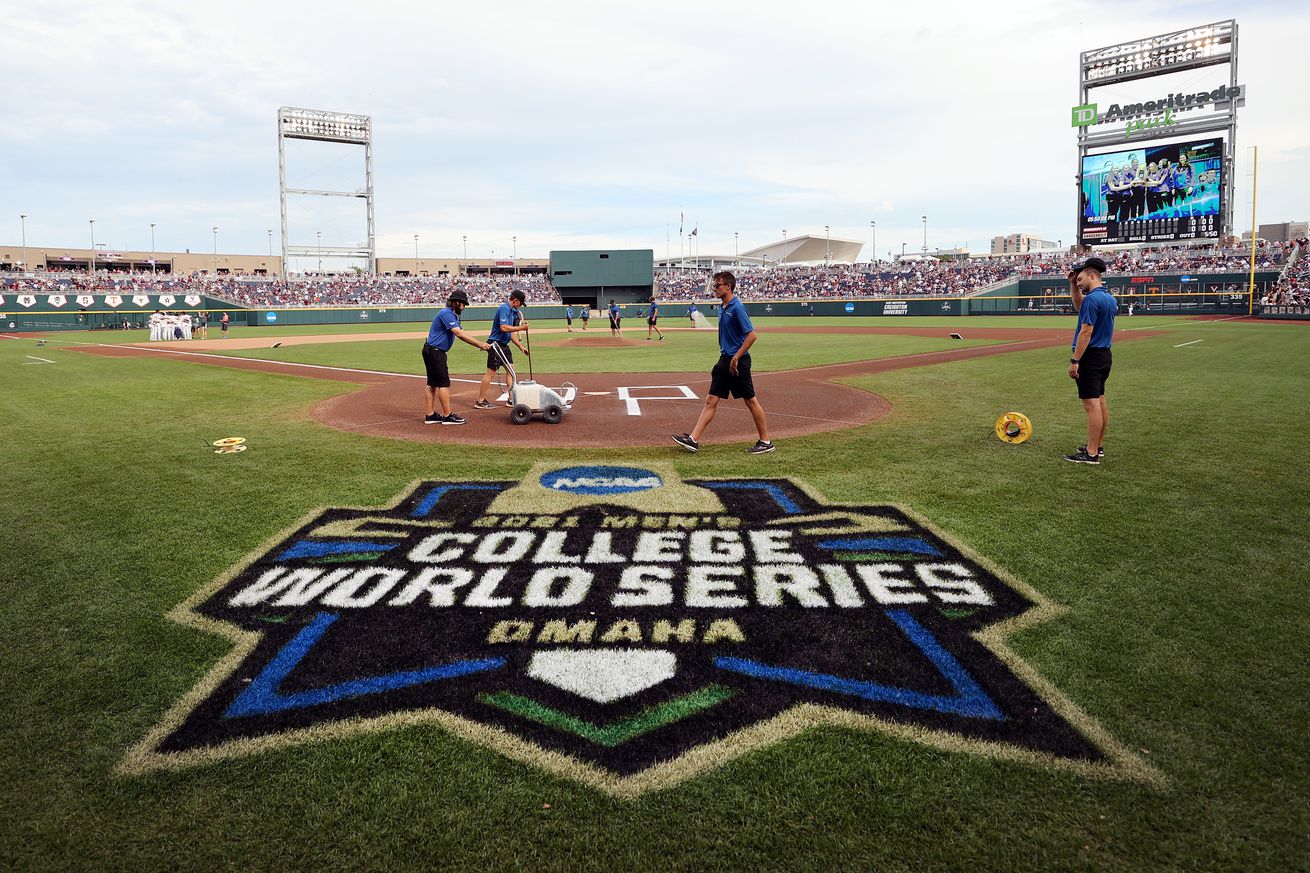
(1073, 360)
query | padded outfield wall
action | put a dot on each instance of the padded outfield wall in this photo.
(1160, 294)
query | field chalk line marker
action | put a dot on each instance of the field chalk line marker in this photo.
(42, 360)
(1192, 343)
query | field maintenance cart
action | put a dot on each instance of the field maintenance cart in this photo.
(528, 397)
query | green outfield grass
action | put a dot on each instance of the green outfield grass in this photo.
(1182, 561)
(689, 351)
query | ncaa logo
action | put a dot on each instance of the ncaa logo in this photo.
(601, 480)
(850, 307)
(271, 317)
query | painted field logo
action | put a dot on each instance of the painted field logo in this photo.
(623, 627)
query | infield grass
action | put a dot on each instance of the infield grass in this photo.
(1181, 561)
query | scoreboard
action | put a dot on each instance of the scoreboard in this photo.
(1153, 193)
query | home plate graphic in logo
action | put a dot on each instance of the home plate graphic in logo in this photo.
(624, 627)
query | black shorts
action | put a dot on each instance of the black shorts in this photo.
(569, 319)
(434, 361)
(650, 322)
(1093, 373)
(723, 383)
(614, 323)
(493, 359)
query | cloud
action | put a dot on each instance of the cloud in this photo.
(586, 123)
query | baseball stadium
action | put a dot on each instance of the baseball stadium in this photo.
(333, 555)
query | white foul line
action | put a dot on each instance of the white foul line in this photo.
(1192, 343)
(268, 361)
(42, 360)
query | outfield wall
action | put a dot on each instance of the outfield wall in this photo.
(1201, 294)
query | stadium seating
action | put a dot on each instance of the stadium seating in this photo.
(930, 278)
(1293, 287)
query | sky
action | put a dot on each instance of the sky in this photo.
(528, 127)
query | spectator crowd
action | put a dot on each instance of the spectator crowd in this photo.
(1293, 288)
(909, 277)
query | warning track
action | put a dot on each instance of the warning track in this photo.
(798, 402)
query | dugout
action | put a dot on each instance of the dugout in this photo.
(594, 277)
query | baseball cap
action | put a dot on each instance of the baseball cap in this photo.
(519, 296)
(458, 296)
(1090, 264)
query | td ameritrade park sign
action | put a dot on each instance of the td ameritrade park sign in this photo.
(623, 627)
(1152, 115)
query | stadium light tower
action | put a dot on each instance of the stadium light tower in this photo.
(152, 248)
(216, 250)
(873, 242)
(270, 243)
(784, 246)
(331, 127)
(93, 246)
(736, 261)
(925, 234)
(514, 254)
(318, 236)
(22, 218)
(415, 254)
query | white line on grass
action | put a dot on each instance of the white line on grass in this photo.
(42, 360)
(1182, 323)
(268, 361)
(1192, 343)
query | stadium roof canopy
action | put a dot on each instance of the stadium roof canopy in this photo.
(807, 249)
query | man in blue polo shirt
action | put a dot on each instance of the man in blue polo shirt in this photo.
(732, 374)
(506, 322)
(441, 336)
(1090, 365)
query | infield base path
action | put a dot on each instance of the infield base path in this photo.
(615, 409)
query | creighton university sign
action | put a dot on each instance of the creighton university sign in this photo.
(623, 627)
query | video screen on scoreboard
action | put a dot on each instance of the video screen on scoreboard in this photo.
(1153, 194)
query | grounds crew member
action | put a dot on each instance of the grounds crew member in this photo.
(652, 316)
(568, 317)
(441, 336)
(585, 314)
(1090, 364)
(615, 320)
(732, 374)
(507, 322)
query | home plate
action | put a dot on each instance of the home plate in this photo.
(603, 675)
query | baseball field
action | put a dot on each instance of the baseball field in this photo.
(1114, 678)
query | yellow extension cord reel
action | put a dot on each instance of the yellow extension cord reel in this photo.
(1014, 427)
